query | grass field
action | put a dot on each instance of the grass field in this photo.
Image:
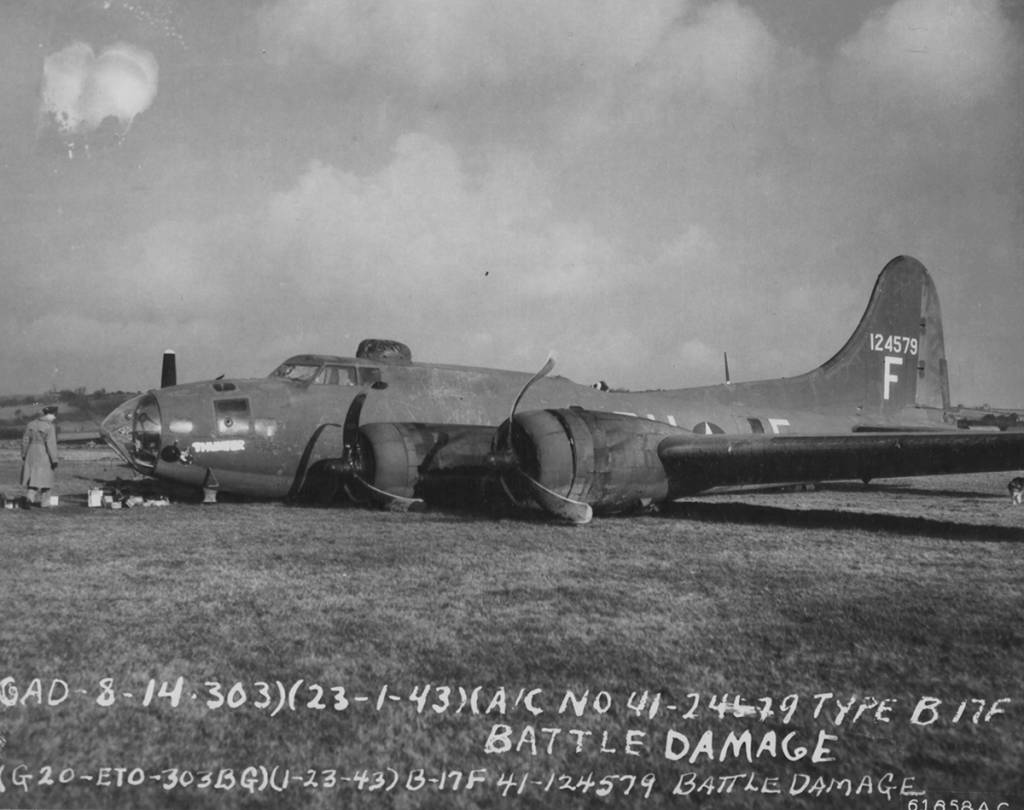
(910, 591)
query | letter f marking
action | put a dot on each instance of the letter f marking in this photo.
(889, 377)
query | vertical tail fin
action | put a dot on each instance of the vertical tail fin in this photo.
(895, 358)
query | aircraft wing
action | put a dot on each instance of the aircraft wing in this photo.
(695, 463)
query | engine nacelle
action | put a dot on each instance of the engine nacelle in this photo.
(607, 460)
(439, 463)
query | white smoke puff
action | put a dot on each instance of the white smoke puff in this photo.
(81, 90)
(64, 75)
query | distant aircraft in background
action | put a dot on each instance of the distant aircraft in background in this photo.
(379, 428)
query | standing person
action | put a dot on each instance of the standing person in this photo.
(39, 455)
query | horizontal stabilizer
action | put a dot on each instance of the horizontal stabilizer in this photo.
(984, 417)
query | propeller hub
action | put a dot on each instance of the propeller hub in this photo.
(502, 461)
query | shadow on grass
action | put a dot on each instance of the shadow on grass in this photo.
(905, 489)
(840, 520)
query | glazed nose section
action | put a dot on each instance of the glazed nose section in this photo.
(116, 429)
(133, 431)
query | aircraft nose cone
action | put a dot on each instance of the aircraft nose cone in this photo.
(116, 429)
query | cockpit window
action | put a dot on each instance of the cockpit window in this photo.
(329, 373)
(297, 372)
(335, 375)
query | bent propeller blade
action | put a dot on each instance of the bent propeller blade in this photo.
(350, 429)
(575, 512)
(388, 500)
(352, 463)
(507, 435)
(544, 371)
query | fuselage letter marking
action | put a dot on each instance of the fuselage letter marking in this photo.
(889, 377)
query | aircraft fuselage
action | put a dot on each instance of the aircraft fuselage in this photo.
(379, 427)
(252, 432)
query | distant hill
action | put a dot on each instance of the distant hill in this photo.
(80, 412)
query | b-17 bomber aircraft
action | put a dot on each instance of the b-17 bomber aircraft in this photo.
(381, 429)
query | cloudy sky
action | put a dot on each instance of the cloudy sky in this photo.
(637, 186)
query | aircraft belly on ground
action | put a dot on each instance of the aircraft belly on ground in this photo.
(379, 428)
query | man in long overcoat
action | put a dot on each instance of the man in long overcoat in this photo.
(39, 454)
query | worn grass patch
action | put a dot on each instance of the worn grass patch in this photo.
(783, 601)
